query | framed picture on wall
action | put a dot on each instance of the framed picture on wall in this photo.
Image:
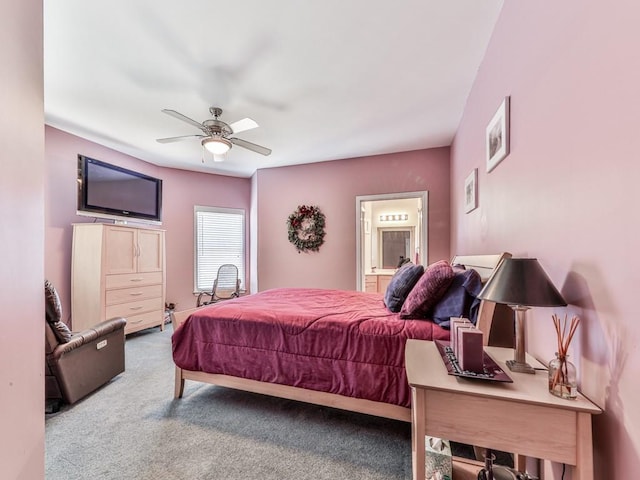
(497, 136)
(471, 191)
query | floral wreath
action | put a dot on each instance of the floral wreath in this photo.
(306, 228)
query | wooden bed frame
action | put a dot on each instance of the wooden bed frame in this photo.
(484, 264)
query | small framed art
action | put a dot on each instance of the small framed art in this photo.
(497, 136)
(471, 191)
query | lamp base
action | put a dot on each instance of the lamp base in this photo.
(520, 367)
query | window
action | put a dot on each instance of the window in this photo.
(219, 239)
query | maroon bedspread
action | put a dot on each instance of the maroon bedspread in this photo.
(335, 341)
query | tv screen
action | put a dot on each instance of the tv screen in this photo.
(109, 191)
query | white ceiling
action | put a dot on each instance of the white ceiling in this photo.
(324, 80)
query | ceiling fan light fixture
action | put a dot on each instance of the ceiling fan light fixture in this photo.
(216, 145)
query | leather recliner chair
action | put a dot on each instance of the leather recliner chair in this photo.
(76, 364)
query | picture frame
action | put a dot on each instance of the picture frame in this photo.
(471, 191)
(497, 135)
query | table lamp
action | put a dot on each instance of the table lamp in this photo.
(521, 283)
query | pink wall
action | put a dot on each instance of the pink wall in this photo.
(333, 186)
(181, 191)
(21, 242)
(566, 193)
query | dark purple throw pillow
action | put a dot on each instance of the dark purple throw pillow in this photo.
(401, 284)
(429, 289)
(460, 299)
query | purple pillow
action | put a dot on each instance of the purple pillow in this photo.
(428, 290)
(401, 284)
(460, 299)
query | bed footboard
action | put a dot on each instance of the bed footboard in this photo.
(177, 318)
(369, 407)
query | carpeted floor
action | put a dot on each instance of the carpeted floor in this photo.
(133, 429)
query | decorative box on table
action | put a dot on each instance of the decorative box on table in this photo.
(438, 461)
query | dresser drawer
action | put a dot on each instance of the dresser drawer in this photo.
(134, 308)
(123, 295)
(142, 321)
(132, 279)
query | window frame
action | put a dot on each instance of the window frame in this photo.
(241, 271)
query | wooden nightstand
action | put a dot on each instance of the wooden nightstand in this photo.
(521, 417)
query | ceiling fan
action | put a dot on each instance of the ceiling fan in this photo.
(216, 137)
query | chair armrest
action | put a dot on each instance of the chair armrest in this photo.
(89, 335)
(200, 303)
(109, 326)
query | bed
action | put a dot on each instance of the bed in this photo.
(342, 349)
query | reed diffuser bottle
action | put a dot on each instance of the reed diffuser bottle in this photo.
(563, 379)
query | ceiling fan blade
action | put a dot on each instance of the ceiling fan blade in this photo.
(178, 139)
(184, 118)
(251, 146)
(243, 125)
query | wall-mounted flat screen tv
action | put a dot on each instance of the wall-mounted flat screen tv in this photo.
(109, 191)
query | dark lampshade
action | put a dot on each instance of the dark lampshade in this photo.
(522, 281)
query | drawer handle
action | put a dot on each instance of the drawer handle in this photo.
(135, 308)
(137, 279)
(136, 294)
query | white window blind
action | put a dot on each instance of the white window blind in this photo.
(219, 239)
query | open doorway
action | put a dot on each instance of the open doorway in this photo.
(390, 229)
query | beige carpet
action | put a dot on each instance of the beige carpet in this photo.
(133, 429)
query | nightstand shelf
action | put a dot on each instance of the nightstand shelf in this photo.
(522, 416)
